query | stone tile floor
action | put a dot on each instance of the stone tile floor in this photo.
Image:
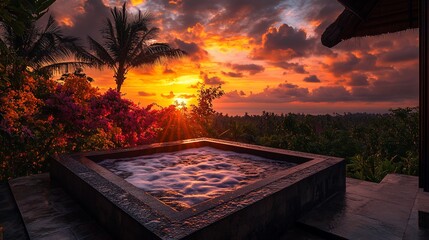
(10, 219)
(388, 210)
(49, 213)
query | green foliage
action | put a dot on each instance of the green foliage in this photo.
(204, 107)
(18, 14)
(203, 112)
(372, 144)
(33, 49)
(373, 168)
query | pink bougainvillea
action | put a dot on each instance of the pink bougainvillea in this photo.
(44, 117)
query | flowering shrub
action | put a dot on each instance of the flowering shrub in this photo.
(25, 134)
(131, 124)
(43, 118)
(91, 121)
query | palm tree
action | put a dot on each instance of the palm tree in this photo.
(19, 14)
(129, 43)
(39, 49)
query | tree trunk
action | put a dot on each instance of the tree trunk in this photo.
(120, 78)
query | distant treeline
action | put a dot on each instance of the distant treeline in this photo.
(373, 144)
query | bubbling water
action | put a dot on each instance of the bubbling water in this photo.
(184, 178)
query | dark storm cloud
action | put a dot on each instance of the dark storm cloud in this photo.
(323, 11)
(300, 69)
(168, 96)
(358, 79)
(186, 96)
(296, 67)
(248, 16)
(403, 54)
(284, 92)
(293, 93)
(252, 69)
(146, 94)
(88, 21)
(330, 94)
(235, 94)
(195, 52)
(232, 96)
(251, 17)
(285, 43)
(179, 15)
(312, 79)
(233, 74)
(366, 62)
(341, 67)
(287, 38)
(391, 86)
(394, 86)
(215, 80)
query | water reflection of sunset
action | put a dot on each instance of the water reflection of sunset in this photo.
(185, 178)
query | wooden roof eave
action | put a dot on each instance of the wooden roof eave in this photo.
(361, 9)
(385, 16)
(341, 29)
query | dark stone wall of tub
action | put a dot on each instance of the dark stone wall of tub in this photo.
(113, 219)
(271, 216)
(268, 209)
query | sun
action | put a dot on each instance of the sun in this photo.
(180, 102)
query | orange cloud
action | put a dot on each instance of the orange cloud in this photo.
(197, 30)
(137, 2)
(66, 21)
(168, 96)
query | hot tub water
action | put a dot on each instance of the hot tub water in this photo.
(184, 178)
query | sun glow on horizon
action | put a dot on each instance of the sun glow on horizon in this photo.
(181, 102)
(137, 2)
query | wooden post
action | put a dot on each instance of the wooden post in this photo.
(424, 91)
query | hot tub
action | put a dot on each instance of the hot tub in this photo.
(198, 188)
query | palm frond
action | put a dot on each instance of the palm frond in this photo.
(120, 18)
(3, 47)
(84, 56)
(47, 46)
(51, 25)
(41, 7)
(110, 36)
(61, 67)
(156, 52)
(141, 45)
(101, 53)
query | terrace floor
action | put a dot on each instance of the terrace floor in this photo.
(34, 208)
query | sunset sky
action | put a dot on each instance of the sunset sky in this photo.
(266, 54)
